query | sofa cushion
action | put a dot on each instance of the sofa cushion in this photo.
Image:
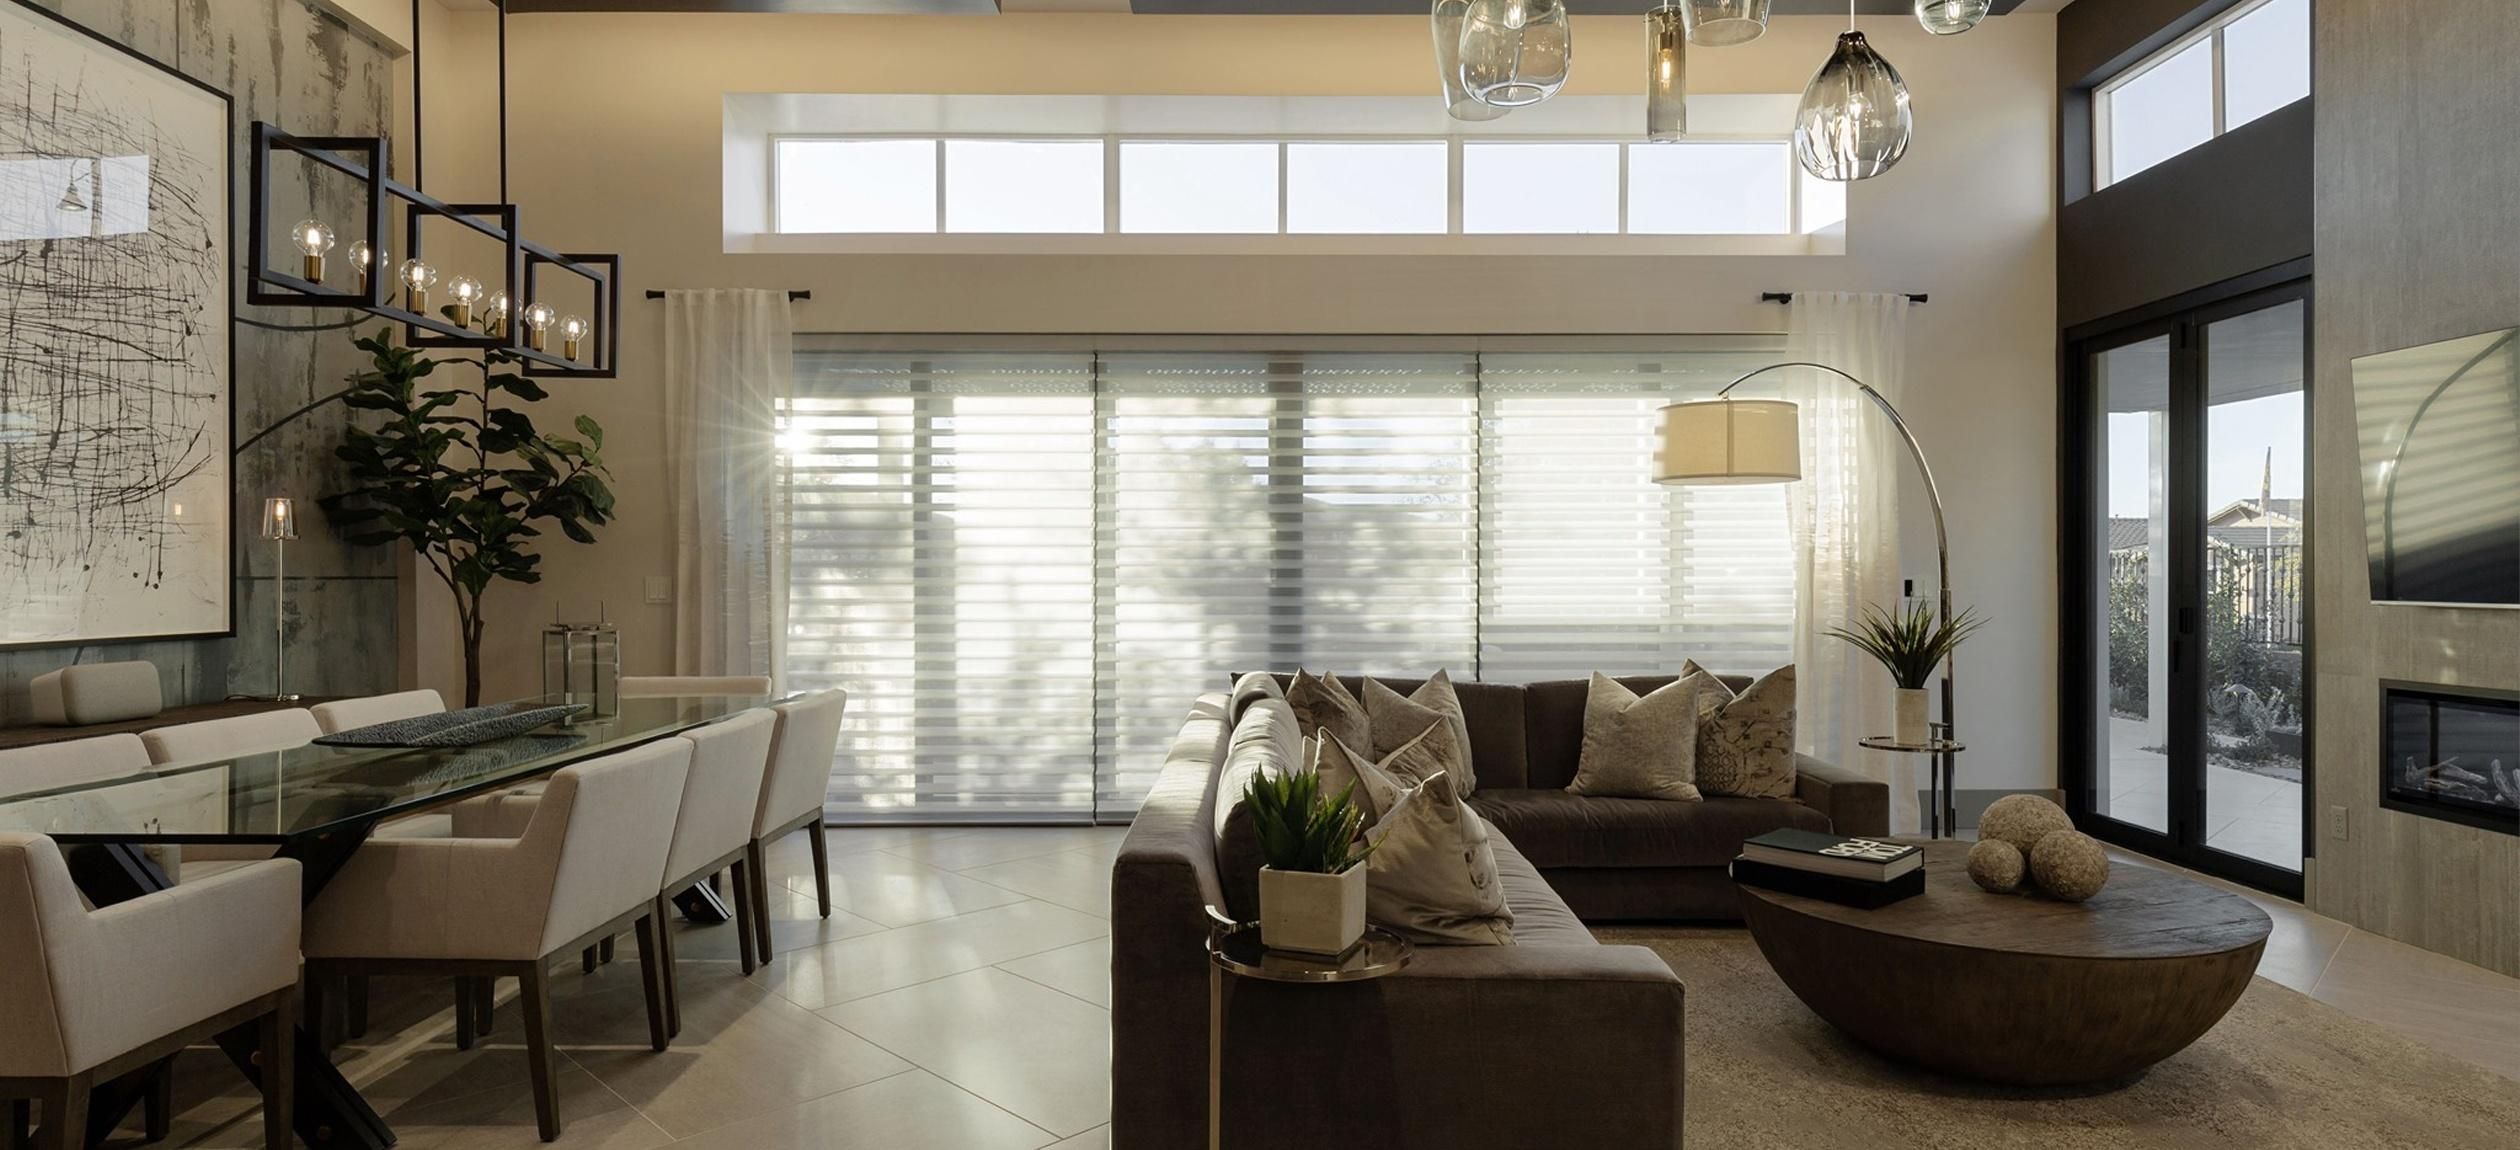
(1541, 918)
(1432, 874)
(1640, 747)
(1265, 738)
(1746, 736)
(1399, 719)
(1557, 829)
(1553, 725)
(1323, 703)
(1494, 712)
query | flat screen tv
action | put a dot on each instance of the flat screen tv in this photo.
(2440, 436)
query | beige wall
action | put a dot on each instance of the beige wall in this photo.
(617, 143)
(2417, 228)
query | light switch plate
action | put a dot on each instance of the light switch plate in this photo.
(2341, 823)
(660, 588)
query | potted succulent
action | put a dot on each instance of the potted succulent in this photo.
(1910, 642)
(1312, 886)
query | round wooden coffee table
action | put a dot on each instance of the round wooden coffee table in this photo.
(2018, 988)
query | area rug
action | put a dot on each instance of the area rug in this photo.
(2280, 1072)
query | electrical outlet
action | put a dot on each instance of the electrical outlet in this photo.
(2340, 824)
(660, 589)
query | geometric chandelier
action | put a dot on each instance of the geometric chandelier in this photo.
(509, 315)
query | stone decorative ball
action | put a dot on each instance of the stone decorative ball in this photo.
(2069, 865)
(1997, 866)
(2022, 820)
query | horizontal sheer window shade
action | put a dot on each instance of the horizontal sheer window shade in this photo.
(1023, 567)
(1277, 511)
(1586, 563)
(942, 570)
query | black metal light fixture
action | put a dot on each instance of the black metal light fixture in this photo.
(401, 287)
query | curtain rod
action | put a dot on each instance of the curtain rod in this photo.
(1788, 297)
(793, 295)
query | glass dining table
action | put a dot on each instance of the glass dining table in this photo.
(315, 804)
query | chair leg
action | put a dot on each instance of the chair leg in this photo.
(652, 977)
(485, 999)
(534, 997)
(65, 1114)
(277, 1064)
(604, 951)
(21, 1123)
(157, 1107)
(744, 916)
(354, 1008)
(467, 1014)
(586, 961)
(822, 864)
(756, 860)
(665, 965)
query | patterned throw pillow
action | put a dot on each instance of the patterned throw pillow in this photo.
(1746, 741)
(1324, 703)
(1399, 718)
(1432, 877)
(1640, 748)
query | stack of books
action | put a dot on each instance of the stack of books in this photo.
(1855, 872)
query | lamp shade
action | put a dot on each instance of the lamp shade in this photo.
(1730, 441)
(279, 518)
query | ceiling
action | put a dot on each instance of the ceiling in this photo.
(1163, 7)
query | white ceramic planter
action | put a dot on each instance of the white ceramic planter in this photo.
(1312, 913)
(1912, 727)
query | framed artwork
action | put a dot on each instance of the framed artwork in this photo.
(116, 344)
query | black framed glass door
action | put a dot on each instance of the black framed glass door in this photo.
(2185, 444)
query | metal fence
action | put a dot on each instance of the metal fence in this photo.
(2263, 580)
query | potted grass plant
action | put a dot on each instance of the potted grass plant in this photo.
(1911, 642)
(1312, 881)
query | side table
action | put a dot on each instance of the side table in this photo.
(1234, 947)
(1943, 813)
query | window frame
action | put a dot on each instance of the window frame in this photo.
(2104, 96)
(1453, 240)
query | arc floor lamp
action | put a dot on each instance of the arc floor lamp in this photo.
(1743, 441)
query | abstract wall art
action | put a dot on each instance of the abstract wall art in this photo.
(115, 352)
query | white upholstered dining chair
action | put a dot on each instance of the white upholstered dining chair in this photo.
(350, 714)
(231, 737)
(88, 995)
(656, 686)
(486, 908)
(792, 793)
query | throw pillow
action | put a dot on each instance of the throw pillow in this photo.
(1381, 780)
(1323, 703)
(1640, 748)
(1399, 718)
(1432, 877)
(1746, 740)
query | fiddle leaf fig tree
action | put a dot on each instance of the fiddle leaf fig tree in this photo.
(464, 476)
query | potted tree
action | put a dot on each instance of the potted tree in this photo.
(1312, 883)
(1911, 643)
(464, 478)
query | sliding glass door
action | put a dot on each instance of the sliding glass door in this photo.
(2186, 448)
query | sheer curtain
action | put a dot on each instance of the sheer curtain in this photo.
(728, 360)
(1845, 516)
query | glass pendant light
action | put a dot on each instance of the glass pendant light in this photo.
(1951, 17)
(1666, 75)
(1515, 52)
(1854, 122)
(1457, 99)
(1722, 23)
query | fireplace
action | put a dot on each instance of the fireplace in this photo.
(2451, 753)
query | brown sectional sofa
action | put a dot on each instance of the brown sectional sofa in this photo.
(1555, 1041)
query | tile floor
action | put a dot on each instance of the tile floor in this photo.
(2248, 814)
(958, 997)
